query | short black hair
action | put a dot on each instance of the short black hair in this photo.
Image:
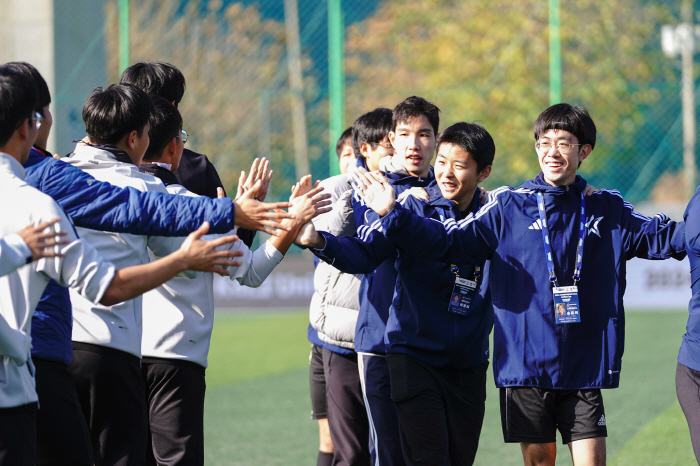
(415, 106)
(371, 128)
(32, 73)
(166, 123)
(112, 113)
(158, 77)
(19, 98)
(473, 138)
(344, 138)
(572, 118)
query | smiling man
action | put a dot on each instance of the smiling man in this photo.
(440, 316)
(410, 136)
(543, 255)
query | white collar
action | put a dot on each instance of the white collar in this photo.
(11, 165)
(167, 166)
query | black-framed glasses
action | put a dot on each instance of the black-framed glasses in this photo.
(385, 145)
(184, 136)
(562, 146)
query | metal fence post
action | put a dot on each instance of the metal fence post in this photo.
(336, 81)
(554, 53)
(123, 35)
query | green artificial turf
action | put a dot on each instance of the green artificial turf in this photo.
(257, 407)
(250, 344)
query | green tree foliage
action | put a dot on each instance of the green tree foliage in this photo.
(487, 61)
(236, 104)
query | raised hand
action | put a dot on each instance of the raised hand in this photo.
(309, 205)
(252, 214)
(302, 187)
(201, 255)
(258, 172)
(41, 243)
(374, 189)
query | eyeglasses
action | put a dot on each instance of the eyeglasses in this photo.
(562, 146)
(385, 145)
(38, 119)
(184, 136)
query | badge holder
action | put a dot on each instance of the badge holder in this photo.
(566, 305)
(463, 292)
(566, 310)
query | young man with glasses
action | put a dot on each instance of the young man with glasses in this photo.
(179, 315)
(548, 245)
(62, 434)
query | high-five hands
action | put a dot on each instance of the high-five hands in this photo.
(252, 214)
(258, 171)
(374, 189)
(308, 203)
(202, 255)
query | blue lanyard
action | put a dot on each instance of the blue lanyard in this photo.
(548, 247)
(453, 268)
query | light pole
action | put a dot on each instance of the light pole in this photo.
(680, 40)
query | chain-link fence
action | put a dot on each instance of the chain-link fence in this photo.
(478, 60)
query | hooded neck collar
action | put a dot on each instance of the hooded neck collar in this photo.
(118, 153)
(437, 199)
(165, 175)
(539, 184)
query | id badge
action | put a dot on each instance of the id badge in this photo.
(462, 295)
(566, 309)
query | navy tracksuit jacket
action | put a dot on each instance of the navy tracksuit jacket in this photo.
(419, 323)
(530, 349)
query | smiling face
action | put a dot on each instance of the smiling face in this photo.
(414, 143)
(457, 174)
(560, 169)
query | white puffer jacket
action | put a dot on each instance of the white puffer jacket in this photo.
(335, 303)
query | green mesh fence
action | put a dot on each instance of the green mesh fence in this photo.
(478, 60)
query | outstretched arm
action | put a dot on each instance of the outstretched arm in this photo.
(252, 214)
(194, 254)
(472, 239)
(307, 203)
(350, 254)
(657, 237)
(102, 206)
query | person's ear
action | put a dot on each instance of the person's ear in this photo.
(364, 149)
(24, 128)
(172, 146)
(585, 151)
(484, 174)
(131, 140)
(392, 137)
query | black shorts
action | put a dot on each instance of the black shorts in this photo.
(317, 384)
(533, 415)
